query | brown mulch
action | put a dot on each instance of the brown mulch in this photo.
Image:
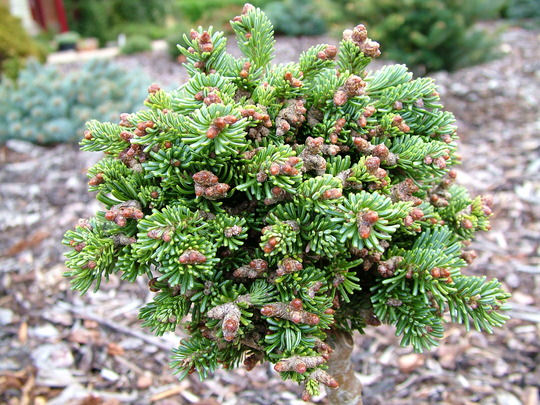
(58, 347)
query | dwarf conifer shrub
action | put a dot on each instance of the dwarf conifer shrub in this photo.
(271, 207)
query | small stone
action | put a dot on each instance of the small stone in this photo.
(210, 401)
(114, 349)
(506, 398)
(144, 381)
(410, 362)
(72, 183)
(89, 324)
(54, 377)
(46, 331)
(52, 356)
(109, 375)
(22, 147)
(6, 316)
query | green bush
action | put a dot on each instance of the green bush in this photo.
(15, 45)
(271, 208)
(195, 10)
(429, 35)
(150, 30)
(136, 44)
(46, 106)
(219, 18)
(295, 17)
(522, 9)
(99, 18)
(176, 37)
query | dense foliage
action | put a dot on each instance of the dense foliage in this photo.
(194, 10)
(176, 39)
(45, 105)
(520, 9)
(15, 45)
(136, 44)
(105, 19)
(429, 35)
(270, 205)
(295, 17)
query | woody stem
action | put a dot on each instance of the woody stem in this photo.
(341, 368)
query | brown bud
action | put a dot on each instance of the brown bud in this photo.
(275, 169)
(192, 257)
(332, 194)
(381, 151)
(340, 97)
(359, 34)
(267, 310)
(153, 88)
(371, 217)
(467, 224)
(354, 86)
(371, 49)
(208, 47)
(212, 132)
(330, 51)
(296, 304)
(205, 178)
(96, 180)
(205, 37)
(322, 55)
(362, 121)
(369, 111)
(417, 214)
(247, 8)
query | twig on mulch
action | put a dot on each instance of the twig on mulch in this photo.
(116, 327)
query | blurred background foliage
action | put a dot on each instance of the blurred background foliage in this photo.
(427, 35)
(15, 45)
(45, 105)
(105, 19)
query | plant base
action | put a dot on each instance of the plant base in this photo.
(340, 367)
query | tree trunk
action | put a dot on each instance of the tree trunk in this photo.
(340, 367)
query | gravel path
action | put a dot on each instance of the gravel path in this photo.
(59, 347)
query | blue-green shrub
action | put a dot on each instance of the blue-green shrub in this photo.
(295, 17)
(47, 106)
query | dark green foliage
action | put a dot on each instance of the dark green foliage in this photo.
(194, 10)
(175, 38)
(151, 31)
(136, 44)
(295, 17)
(15, 45)
(521, 9)
(101, 18)
(46, 106)
(276, 204)
(428, 35)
